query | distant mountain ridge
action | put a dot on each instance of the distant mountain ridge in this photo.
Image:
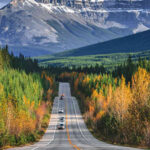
(34, 28)
(134, 43)
(140, 4)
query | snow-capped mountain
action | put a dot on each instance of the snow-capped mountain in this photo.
(101, 3)
(35, 28)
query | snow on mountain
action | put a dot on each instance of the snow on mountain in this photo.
(34, 28)
(140, 28)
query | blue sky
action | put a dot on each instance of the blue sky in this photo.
(4, 2)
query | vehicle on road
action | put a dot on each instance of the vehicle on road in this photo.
(62, 119)
(61, 125)
(61, 97)
(60, 111)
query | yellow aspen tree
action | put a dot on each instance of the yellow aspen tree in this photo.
(121, 100)
(141, 86)
(109, 94)
(139, 109)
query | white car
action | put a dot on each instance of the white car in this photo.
(60, 111)
(61, 125)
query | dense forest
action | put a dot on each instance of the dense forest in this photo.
(115, 105)
(26, 94)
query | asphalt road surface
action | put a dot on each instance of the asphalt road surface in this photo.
(75, 136)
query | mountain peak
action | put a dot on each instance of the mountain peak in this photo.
(15, 2)
(18, 2)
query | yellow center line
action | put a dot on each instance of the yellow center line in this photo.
(68, 135)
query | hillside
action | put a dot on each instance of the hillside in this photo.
(129, 44)
(110, 53)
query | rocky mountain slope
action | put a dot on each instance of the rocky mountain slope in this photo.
(34, 28)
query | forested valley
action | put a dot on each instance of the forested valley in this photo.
(115, 104)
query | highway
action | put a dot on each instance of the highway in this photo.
(75, 136)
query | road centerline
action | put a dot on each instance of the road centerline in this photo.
(67, 129)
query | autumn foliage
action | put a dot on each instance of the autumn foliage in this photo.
(117, 110)
(25, 102)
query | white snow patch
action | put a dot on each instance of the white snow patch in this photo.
(6, 29)
(105, 10)
(56, 8)
(110, 24)
(140, 28)
(46, 6)
(30, 2)
(97, 1)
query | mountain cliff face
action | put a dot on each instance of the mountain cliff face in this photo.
(35, 28)
(139, 4)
